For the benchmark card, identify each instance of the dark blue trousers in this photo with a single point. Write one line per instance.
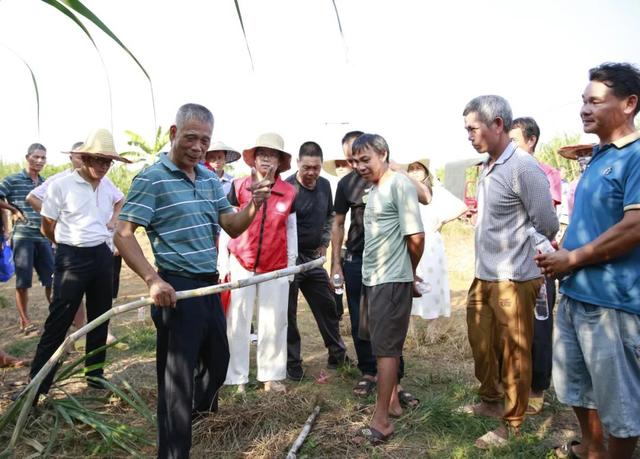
(192, 355)
(78, 271)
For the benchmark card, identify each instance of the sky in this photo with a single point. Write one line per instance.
(405, 69)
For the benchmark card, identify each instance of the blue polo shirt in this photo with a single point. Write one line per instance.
(15, 188)
(180, 216)
(608, 187)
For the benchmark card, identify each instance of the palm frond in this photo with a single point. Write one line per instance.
(80, 8)
(244, 33)
(35, 85)
(344, 42)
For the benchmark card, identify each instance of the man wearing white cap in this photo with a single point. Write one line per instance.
(216, 158)
(269, 243)
(75, 214)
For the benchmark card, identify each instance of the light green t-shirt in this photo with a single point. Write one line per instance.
(391, 213)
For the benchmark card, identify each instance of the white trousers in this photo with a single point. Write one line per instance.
(271, 299)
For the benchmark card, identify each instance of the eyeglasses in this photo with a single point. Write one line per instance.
(102, 162)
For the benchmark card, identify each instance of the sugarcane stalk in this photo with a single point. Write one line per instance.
(303, 433)
(29, 393)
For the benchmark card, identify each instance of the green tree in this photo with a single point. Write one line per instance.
(147, 152)
(548, 153)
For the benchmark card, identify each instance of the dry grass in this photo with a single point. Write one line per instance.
(439, 371)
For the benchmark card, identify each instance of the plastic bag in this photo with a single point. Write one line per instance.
(7, 268)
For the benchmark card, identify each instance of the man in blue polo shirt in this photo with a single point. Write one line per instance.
(182, 206)
(596, 363)
(30, 248)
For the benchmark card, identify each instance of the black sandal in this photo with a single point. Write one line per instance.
(364, 387)
(374, 436)
(407, 399)
(566, 450)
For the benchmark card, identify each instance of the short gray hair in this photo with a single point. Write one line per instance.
(489, 108)
(373, 141)
(34, 147)
(193, 111)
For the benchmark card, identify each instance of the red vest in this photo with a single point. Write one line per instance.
(267, 232)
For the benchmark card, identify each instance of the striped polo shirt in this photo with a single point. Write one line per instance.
(15, 188)
(513, 195)
(180, 216)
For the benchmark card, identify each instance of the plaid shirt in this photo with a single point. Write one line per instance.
(513, 195)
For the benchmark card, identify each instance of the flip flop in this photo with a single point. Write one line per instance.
(566, 450)
(374, 436)
(364, 387)
(535, 405)
(29, 328)
(407, 399)
(490, 440)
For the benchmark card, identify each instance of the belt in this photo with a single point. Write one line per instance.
(211, 278)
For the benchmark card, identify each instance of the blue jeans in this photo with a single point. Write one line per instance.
(596, 363)
(29, 254)
(352, 270)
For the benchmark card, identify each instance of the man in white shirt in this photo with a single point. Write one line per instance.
(75, 213)
(37, 195)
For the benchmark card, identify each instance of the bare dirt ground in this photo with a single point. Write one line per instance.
(439, 372)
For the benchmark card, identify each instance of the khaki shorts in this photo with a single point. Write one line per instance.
(385, 310)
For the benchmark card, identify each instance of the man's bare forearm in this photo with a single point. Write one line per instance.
(235, 223)
(337, 236)
(415, 246)
(125, 240)
(616, 241)
(34, 202)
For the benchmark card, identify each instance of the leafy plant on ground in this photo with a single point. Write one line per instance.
(88, 415)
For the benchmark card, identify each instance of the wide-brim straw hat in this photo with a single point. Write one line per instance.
(576, 151)
(424, 161)
(99, 144)
(230, 154)
(329, 163)
(268, 140)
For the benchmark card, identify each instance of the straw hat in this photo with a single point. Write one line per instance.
(230, 154)
(424, 161)
(268, 140)
(329, 164)
(575, 151)
(99, 144)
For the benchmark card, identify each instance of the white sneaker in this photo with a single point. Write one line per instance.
(253, 338)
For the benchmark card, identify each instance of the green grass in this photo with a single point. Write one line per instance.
(23, 347)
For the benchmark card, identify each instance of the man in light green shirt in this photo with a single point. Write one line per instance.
(394, 241)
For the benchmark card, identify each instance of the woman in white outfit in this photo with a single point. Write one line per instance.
(444, 207)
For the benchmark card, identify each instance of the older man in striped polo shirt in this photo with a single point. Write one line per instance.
(182, 206)
(513, 195)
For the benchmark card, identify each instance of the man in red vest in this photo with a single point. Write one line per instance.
(270, 243)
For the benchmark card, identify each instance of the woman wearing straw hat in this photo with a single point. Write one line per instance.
(269, 243)
(75, 213)
(436, 299)
(216, 158)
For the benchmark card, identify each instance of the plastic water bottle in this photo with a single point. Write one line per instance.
(423, 287)
(337, 284)
(541, 243)
(141, 314)
(541, 311)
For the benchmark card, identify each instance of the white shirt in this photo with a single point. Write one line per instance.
(81, 213)
(41, 190)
